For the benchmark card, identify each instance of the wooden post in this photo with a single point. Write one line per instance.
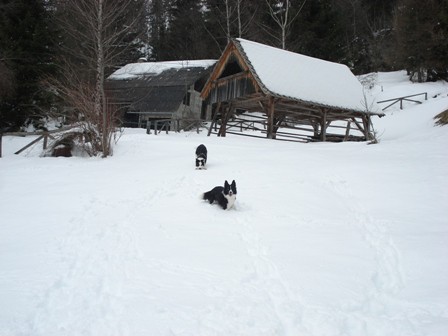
(270, 113)
(1, 135)
(358, 125)
(225, 119)
(366, 123)
(347, 131)
(214, 119)
(323, 133)
(45, 140)
(148, 127)
(156, 126)
(277, 122)
(222, 127)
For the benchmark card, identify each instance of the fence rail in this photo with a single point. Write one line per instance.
(401, 99)
(175, 125)
(43, 135)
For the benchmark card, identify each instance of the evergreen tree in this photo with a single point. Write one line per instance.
(319, 31)
(379, 19)
(27, 53)
(158, 24)
(187, 37)
(421, 35)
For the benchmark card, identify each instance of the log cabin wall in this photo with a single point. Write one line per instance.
(232, 87)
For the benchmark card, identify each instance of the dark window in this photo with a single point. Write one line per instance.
(232, 68)
(204, 110)
(186, 100)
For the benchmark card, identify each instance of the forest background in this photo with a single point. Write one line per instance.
(57, 52)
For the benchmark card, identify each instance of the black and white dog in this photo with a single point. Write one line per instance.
(224, 196)
(201, 157)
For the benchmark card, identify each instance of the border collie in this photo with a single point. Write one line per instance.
(224, 196)
(201, 157)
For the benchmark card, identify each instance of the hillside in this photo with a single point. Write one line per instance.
(325, 239)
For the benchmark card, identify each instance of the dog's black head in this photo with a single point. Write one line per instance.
(230, 189)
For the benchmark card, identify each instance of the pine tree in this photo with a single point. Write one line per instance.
(421, 37)
(158, 21)
(27, 53)
(187, 37)
(319, 31)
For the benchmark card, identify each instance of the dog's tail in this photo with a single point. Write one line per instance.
(206, 195)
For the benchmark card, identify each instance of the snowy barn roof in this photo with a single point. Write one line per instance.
(287, 87)
(283, 73)
(157, 87)
(301, 77)
(152, 69)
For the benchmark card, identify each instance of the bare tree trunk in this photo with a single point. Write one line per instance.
(102, 109)
(280, 13)
(228, 20)
(238, 8)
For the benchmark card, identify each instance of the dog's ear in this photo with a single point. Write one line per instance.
(226, 187)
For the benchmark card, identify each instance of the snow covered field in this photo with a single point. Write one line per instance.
(326, 239)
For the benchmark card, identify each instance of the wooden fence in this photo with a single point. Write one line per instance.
(175, 125)
(404, 98)
(44, 135)
(287, 130)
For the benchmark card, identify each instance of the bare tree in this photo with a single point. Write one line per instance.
(98, 33)
(280, 12)
(228, 16)
(238, 13)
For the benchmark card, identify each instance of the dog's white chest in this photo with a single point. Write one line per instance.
(230, 201)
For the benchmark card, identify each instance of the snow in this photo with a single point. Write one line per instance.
(325, 239)
(306, 78)
(133, 70)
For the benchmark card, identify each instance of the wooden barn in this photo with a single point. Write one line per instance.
(286, 95)
(160, 91)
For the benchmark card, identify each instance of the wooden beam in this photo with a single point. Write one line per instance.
(277, 122)
(29, 145)
(225, 119)
(297, 104)
(347, 131)
(214, 119)
(366, 122)
(270, 113)
(323, 133)
(361, 129)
